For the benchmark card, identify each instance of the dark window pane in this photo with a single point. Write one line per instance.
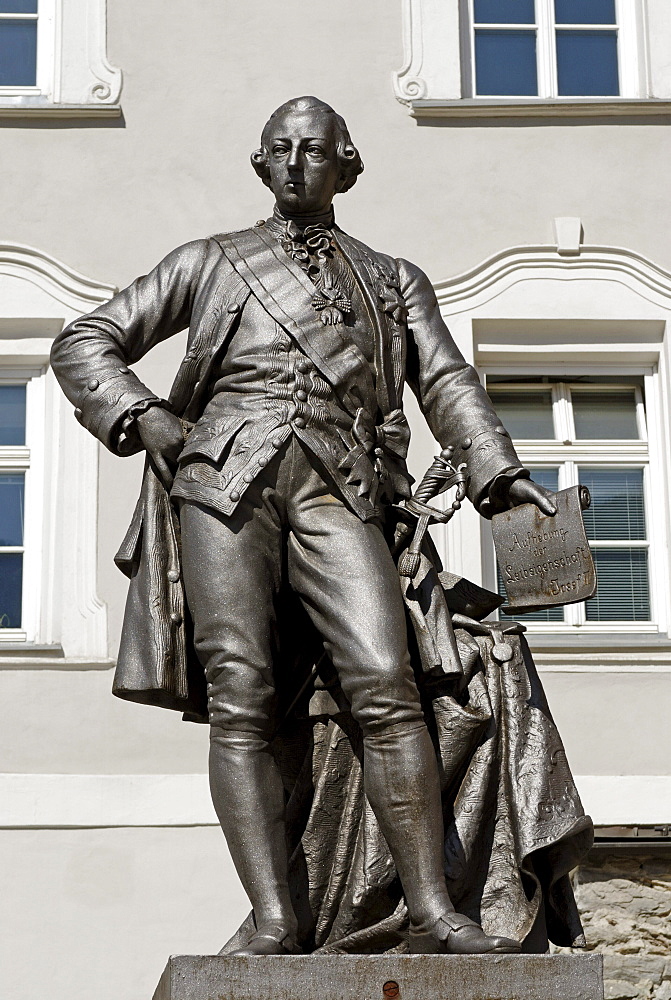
(505, 63)
(504, 12)
(617, 512)
(12, 414)
(587, 64)
(585, 12)
(549, 479)
(525, 414)
(18, 6)
(606, 415)
(18, 53)
(623, 591)
(11, 509)
(11, 580)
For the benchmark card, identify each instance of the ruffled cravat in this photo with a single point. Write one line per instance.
(312, 247)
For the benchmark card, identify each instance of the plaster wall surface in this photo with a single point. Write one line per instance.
(95, 913)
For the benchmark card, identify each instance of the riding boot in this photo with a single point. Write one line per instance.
(402, 783)
(248, 796)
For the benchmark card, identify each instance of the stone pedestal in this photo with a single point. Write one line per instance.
(383, 977)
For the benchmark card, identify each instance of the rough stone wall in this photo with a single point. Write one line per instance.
(625, 904)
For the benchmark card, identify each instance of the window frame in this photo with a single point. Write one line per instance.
(29, 460)
(568, 454)
(546, 54)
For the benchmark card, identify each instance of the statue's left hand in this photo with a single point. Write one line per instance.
(527, 491)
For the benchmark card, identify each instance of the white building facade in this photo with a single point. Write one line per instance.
(517, 151)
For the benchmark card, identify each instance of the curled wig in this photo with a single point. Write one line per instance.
(349, 160)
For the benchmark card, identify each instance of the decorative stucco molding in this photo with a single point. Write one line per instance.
(63, 283)
(469, 290)
(431, 67)
(408, 83)
(106, 80)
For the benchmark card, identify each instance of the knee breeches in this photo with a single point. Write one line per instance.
(289, 527)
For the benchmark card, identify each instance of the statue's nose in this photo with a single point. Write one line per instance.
(294, 162)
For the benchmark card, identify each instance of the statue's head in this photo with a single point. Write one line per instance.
(306, 156)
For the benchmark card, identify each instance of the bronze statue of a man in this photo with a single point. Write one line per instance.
(282, 446)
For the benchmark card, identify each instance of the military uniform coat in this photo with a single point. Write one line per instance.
(344, 402)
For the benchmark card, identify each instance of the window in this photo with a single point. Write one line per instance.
(49, 608)
(590, 431)
(14, 460)
(545, 48)
(533, 58)
(52, 57)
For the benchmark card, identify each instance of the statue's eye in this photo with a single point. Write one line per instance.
(280, 150)
(315, 150)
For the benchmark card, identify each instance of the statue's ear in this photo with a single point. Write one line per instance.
(351, 165)
(259, 159)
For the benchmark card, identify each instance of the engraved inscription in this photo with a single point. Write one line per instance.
(574, 567)
(545, 561)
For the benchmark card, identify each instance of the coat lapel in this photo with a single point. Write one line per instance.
(286, 293)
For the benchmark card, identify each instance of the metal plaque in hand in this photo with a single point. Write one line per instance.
(545, 561)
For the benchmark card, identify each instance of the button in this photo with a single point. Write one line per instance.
(277, 442)
(191, 356)
(300, 421)
(124, 370)
(173, 575)
(502, 431)
(502, 651)
(249, 477)
(304, 366)
(379, 452)
(93, 384)
(176, 618)
(302, 395)
(283, 347)
(235, 496)
(234, 307)
(261, 222)
(466, 443)
(78, 413)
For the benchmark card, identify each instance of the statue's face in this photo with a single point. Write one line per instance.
(303, 162)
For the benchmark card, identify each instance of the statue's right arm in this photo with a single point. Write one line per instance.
(90, 357)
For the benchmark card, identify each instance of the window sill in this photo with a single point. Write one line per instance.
(619, 652)
(473, 108)
(33, 656)
(46, 109)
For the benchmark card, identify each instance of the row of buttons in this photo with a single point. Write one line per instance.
(277, 443)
